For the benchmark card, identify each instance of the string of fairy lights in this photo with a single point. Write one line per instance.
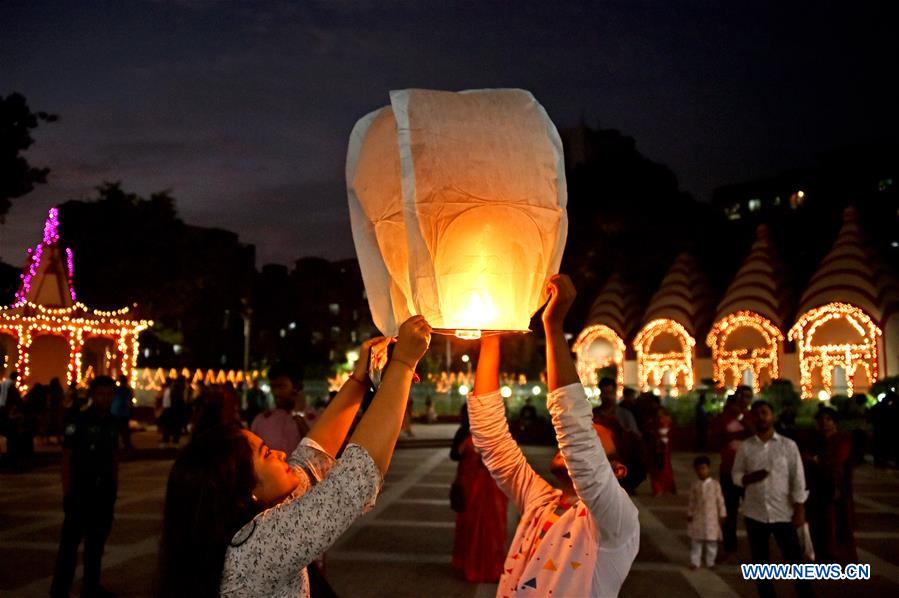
(588, 363)
(27, 322)
(729, 364)
(823, 359)
(652, 366)
(818, 360)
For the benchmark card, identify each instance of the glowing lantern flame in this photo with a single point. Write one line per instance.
(476, 314)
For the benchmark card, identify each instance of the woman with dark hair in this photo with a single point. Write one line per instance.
(243, 520)
(479, 546)
(830, 508)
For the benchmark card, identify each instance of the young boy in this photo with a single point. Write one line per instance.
(705, 514)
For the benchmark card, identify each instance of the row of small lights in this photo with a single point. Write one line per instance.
(504, 391)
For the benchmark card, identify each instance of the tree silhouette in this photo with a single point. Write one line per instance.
(627, 214)
(17, 176)
(188, 279)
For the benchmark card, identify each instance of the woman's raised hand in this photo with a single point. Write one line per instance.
(413, 340)
(373, 351)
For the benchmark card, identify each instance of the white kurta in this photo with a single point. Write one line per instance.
(706, 507)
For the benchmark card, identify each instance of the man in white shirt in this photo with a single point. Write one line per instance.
(769, 467)
(579, 540)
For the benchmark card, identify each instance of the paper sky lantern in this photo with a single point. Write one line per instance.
(457, 203)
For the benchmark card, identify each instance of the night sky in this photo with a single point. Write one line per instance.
(243, 110)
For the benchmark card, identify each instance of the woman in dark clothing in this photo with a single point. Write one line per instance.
(830, 508)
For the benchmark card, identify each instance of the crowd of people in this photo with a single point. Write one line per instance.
(259, 493)
(38, 416)
(796, 487)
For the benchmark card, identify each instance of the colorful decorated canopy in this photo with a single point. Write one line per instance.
(44, 332)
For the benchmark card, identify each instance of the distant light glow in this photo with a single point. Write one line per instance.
(505, 392)
(463, 390)
(823, 395)
(535, 391)
(466, 359)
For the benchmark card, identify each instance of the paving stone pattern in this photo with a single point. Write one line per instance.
(403, 547)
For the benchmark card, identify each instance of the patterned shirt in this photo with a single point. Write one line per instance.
(268, 556)
(770, 500)
(706, 508)
(583, 549)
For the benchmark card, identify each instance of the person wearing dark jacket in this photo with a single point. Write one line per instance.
(89, 485)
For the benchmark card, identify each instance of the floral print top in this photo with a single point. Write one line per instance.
(268, 556)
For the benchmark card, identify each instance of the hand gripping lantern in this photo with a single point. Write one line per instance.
(457, 204)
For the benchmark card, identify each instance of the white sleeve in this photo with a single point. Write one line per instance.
(501, 454)
(798, 492)
(589, 468)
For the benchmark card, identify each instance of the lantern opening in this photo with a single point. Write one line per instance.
(468, 334)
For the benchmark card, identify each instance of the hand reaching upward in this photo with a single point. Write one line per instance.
(560, 369)
(561, 297)
(413, 340)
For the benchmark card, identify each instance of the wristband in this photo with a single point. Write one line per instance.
(404, 362)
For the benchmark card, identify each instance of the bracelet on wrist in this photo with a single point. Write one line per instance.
(362, 383)
(404, 362)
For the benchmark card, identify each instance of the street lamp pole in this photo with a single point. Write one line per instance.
(247, 315)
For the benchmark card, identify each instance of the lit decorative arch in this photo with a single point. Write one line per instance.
(736, 361)
(74, 323)
(849, 356)
(652, 366)
(587, 366)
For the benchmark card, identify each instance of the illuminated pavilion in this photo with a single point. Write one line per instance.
(611, 322)
(746, 340)
(679, 311)
(47, 333)
(848, 307)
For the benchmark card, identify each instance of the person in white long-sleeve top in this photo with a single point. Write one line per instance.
(579, 539)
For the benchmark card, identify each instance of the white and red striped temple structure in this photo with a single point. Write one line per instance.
(840, 337)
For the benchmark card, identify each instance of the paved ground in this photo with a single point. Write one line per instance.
(402, 548)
